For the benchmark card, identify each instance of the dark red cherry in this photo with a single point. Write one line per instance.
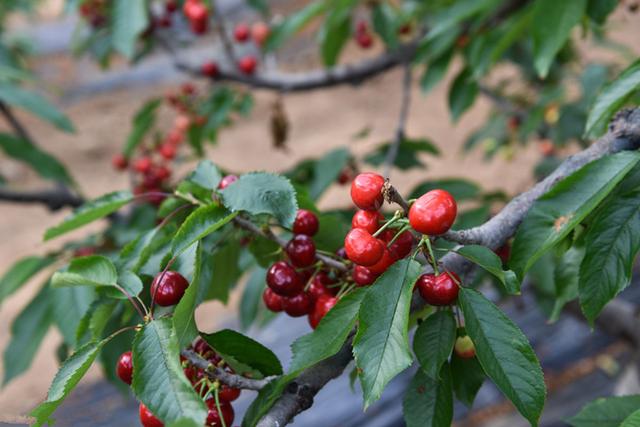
(168, 288)
(298, 305)
(284, 280)
(301, 251)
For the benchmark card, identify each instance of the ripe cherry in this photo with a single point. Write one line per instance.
(320, 309)
(119, 162)
(306, 222)
(272, 301)
(402, 246)
(439, 290)
(241, 32)
(342, 253)
(464, 347)
(175, 137)
(504, 252)
(298, 305)
(171, 6)
(405, 29)
(168, 288)
(226, 181)
(363, 276)
(213, 417)
(362, 248)
(143, 164)
(284, 280)
(228, 394)
(384, 263)
(202, 347)
(301, 251)
(247, 64)
(147, 419)
(433, 213)
(366, 191)
(84, 251)
(124, 368)
(318, 286)
(260, 31)
(364, 40)
(167, 151)
(162, 173)
(369, 220)
(210, 69)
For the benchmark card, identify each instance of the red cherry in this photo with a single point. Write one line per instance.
(369, 220)
(362, 27)
(384, 263)
(298, 305)
(438, 290)
(241, 32)
(364, 40)
(168, 288)
(405, 29)
(228, 394)
(147, 419)
(284, 280)
(199, 26)
(362, 248)
(119, 162)
(247, 64)
(226, 181)
(272, 300)
(164, 21)
(175, 137)
(143, 164)
(171, 6)
(345, 176)
(260, 31)
(433, 213)
(366, 191)
(363, 276)
(213, 417)
(402, 246)
(84, 251)
(318, 286)
(162, 173)
(320, 309)
(504, 252)
(124, 368)
(210, 69)
(190, 372)
(202, 347)
(306, 222)
(301, 251)
(167, 151)
(188, 88)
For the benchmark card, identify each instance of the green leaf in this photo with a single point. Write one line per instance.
(458, 12)
(199, 224)
(606, 412)
(381, 346)
(612, 243)
(566, 276)
(264, 251)
(461, 189)
(632, 420)
(252, 298)
(27, 331)
(292, 24)
(89, 212)
(130, 282)
(385, 23)
(334, 34)
(158, 380)
(69, 306)
(435, 72)
(599, 10)
(43, 163)
(330, 335)
(263, 193)
(434, 340)
(488, 260)
(557, 212)
(130, 19)
(21, 272)
(611, 98)
(36, 104)
(95, 320)
(93, 270)
(429, 402)
(142, 123)
(244, 350)
(467, 376)
(68, 376)
(504, 353)
(265, 400)
(326, 170)
(224, 264)
(407, 156)
(207, 175)
(552, 25)
(462, 93)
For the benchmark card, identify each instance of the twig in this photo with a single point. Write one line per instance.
(392, 152)
(224, 36)
(53, 199)
(20, 130)
(391, 195)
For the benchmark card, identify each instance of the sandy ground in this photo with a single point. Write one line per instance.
(320, 121)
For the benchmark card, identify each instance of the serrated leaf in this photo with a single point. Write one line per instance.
(199, 224)
(252, 298)
(21, 272)
(504, 353)
(35, 104)
(557, 212)
(407, 155)
(606, 412)
(292, 24)
(462, 93)
(225, 267)
(428, 402)
(330, 335)
(334, 34)
(489, 261)
(245, 350)
(566, 275)
(89, 212)
(552, 25)
(632, 420)
(381, 346)
(206, 175)
(95, 320)
(326, 170)
(611, 98)
(434, 340)
(467, 378)
(43, 163)
(263, 193)
(130, 19)
(69, 306)
(142, 122)
(158, 379)
(93, 270)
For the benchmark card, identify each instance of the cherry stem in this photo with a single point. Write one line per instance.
(345, 289)
(132, 301)
(215, 395)
(432, 258)
(402, 230)
(396, 216)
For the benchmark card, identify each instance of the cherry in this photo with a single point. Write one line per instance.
(405, 29)
(147, 418)
(171, 6)
(364, 40)
(84, 251)
(119, 162)
(247, 64)
(362, 248)
(260, 31)
(164, 21)
(182, 123)
(301, 250)
(168, 288)
(143, 164)
(228, 394)
(362, 27)
(188, 88)
(439, 290)
(504, 252)
(384, 263)
(363, 276)
(175, 137)
(547, 148)
(320, 309)
(369, 220)
(124, 368)
(366, 191)
(167, 151)
(190, 372)
(226, 181)
(241, 32)
(210, 69)
(433, 213)
(464, 347)
(318, 286)
(213, 417)
(306, 222)
(345, 176)
(272, 301)
(342, 253)
(284, 280)
(162, 173)
(202, 347)
(298, 305)
(402, 246)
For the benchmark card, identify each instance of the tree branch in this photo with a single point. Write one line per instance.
(222, 33)
(53, 199)
(20, 130)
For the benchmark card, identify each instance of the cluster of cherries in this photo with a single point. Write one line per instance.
(197, 13)
(95, 12)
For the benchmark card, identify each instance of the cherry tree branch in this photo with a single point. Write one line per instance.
(222, 33)
(53, 199)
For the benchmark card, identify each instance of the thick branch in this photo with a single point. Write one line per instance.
(53, 199)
